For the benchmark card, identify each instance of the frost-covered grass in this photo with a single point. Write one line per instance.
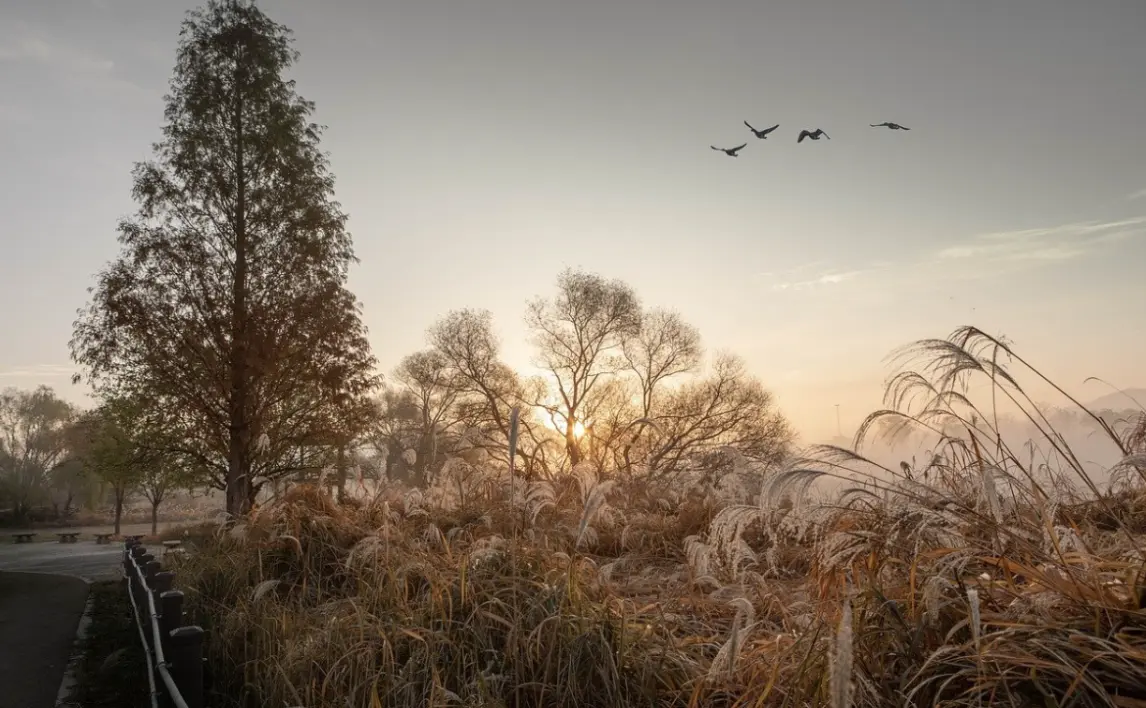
(985, 576)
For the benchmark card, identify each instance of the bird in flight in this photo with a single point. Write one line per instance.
(731, 152)
(812, 135)
(891, 126)
(762, 134)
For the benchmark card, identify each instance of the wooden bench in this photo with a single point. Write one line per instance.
(103, 538)
(24, 537)
(68, 536)
(174, 543)
(135, 538)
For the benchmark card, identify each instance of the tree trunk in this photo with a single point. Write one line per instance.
(238, 482)
(340, 465)
(154, 517)
(118, 509)
(572, 447)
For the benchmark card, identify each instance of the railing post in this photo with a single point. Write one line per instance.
(170, 619)
(186, 664)
(160, 583)
(149, 571)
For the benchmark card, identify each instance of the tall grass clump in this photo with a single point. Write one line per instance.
(987, 575)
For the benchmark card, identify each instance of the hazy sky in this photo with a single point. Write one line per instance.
(482, 146)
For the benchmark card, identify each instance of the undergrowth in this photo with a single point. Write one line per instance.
(112, 672)
(985, 576)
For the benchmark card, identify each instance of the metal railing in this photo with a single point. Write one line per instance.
(174, 651)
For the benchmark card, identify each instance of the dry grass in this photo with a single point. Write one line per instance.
(986, 577)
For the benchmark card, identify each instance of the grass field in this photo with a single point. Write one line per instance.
(984, 576)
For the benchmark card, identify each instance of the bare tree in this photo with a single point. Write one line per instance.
(435, 386)
(34, 435)
(488, 389)
(577, 334)
(396, 430)
(155, 482)
(728, 408)
(612, 413)
(665, 346)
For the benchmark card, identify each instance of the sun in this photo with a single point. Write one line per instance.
(578, 429)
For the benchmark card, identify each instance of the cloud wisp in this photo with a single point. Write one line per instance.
(1056, 243)
(978, 257)
(38, 371)
(27, 46)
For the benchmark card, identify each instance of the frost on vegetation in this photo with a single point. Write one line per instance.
(742, 625)
(538, 496)
(595, 503)
(458, 483)
(934, 591)
(486, 550)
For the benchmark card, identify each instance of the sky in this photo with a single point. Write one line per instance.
(481, 147)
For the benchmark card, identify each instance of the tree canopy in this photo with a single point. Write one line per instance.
(228, 301)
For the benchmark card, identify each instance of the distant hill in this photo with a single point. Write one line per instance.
(1118, 401)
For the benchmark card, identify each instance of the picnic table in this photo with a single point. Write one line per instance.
(103, 538)
(68, 536)
(24, 537)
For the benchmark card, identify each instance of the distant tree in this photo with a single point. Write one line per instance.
(351, 428)
(155, 484)
(488, 388)
(663, 347)
(726, 408)
(578, 334)
(117, 449)
(72, 486)
(228, 301)
(434, 386)
(395, 432)
(34, 437)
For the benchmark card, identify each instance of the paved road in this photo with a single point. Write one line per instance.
(38, 619)
(83, 558)
(49, 533)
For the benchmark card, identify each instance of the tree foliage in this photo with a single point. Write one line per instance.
(228, 300)
(34, 443)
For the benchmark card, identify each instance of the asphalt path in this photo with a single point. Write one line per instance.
(84, 558)
(43, 590)
(38, 619)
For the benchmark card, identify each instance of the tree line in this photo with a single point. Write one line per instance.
(225, 332)
(623, 390)
(53, 454)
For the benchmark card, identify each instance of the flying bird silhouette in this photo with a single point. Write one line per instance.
(812, 135)
(731, 152)
(890, 126)
(762, 134)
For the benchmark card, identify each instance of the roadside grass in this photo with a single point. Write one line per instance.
(113, 668)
